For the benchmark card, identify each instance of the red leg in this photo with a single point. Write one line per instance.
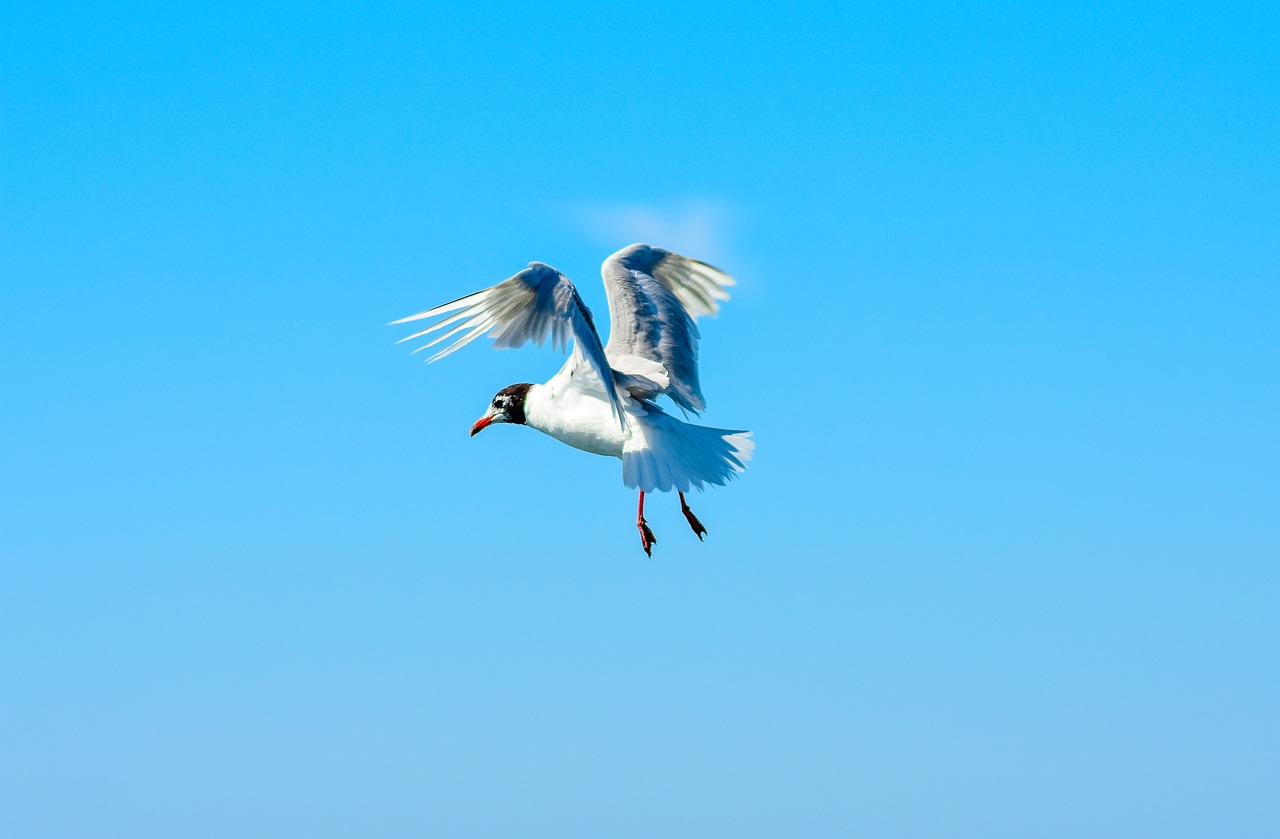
(647, 539)
(693, 520)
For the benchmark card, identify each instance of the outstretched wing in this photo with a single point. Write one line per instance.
(654, 297)
(534, 304)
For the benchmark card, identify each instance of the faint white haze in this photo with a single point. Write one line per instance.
(695, 227)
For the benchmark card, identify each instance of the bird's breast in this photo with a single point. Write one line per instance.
(578, 419)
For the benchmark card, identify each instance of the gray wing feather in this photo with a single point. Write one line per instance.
(535, 304)
(654, 298)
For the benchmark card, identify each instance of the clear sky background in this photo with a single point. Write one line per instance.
(1007, 563)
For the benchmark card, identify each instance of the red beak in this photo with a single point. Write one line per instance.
(481, 425)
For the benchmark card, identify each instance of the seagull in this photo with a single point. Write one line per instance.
(604, 399)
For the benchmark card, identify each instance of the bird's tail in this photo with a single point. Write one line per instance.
(665, 453)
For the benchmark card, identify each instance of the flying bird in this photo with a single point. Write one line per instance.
(604, 399)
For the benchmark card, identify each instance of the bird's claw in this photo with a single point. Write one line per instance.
(647, 539)
(698, 529)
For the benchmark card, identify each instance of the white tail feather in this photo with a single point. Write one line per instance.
(665, 453)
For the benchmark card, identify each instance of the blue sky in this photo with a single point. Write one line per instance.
(1006, 563)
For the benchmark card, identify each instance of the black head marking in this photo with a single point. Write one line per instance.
(510, 401)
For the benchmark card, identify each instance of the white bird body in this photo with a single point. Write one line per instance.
(603, 400)
(575, 413)
(658, 451)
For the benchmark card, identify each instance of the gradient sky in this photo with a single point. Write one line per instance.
(1007, 563)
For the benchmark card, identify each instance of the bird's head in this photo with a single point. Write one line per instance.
(507, 406)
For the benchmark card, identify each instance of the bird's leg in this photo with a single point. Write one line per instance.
(647, 539)
(693, 520)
